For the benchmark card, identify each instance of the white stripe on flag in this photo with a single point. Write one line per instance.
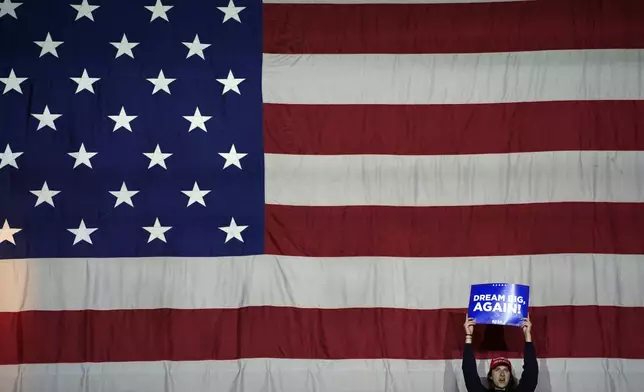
(453, 78)
(299, 375)
(455, 180)
(232, 282)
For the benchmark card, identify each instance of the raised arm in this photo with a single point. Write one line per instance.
(530, 375)
(470, 372)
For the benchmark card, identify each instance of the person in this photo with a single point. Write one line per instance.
(500, 377)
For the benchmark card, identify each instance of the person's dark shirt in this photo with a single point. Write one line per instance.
(527, 383)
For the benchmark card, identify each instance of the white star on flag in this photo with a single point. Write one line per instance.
(82, 157)
(7, 232)
(46, 119)
(123, 196)
(48, 46)
(157, 231)
(161, 83)
(196, 47)
(85, 82)
(159, 10)
(45, 195)
(8, 157)
(231, 83)
(196, 195)
(124, 47)
(233, 231)
(231, 12)
(83, 233)
(12, 82)
(122, 120)
(157, 157)
(197, 120)
(9, 8)
(85, 10)
(232, 157)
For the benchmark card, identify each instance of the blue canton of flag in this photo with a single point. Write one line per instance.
(130, 128)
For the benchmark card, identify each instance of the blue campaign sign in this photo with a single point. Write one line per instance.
(499, 303)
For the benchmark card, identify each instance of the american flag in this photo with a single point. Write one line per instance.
(296, 195)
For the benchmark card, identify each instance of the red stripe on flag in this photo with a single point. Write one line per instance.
(485, 230)
(274, 332)
(453, 28)
(453, 129)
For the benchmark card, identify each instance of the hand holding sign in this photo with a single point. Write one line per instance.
(469, 325)
(469, 329)
(526, 326)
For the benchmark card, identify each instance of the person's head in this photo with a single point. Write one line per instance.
(500, 375)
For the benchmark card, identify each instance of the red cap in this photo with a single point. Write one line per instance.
(500, 361)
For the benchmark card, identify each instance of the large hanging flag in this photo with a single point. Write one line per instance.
(296, 196)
